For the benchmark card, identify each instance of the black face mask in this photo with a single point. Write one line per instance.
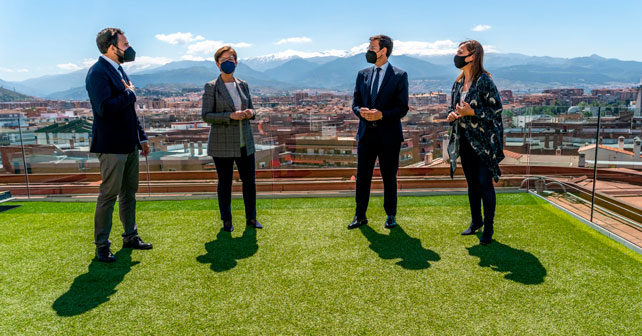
(371, 56)
(460, 61)
(129, 55)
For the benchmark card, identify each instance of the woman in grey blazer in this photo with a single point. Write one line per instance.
(227, 107)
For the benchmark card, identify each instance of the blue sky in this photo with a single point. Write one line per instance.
(52, 37)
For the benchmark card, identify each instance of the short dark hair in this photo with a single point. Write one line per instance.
(384, 42)
(223, 49)
(107, 37)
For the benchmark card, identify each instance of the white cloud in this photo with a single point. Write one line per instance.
(301, 39)
(141, 63)
(421, 48)
(241, 45)
(417, 48)
(179, 38)
(209, 47)
(13, 70)
(490, 49)
(360, 49)
(204, 47)
(481, 28)
(69, 67)
(146, 62)
(88, 62)
(287, 54)
(193, 58)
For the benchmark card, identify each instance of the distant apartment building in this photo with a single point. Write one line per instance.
(334, 151)
(612, 157)
(69, 135)
(565, 95)
(614, 95)
(12, 118)
(506, 96)
(431, 98)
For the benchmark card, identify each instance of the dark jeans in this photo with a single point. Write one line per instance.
(480, 184)
(225, 170)
(369, 148)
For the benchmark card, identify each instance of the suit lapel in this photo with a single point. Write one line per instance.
(367, 91)
(222, 91)
(114, 73)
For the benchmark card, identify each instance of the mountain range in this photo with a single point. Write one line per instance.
(426, 73)
(7, 95)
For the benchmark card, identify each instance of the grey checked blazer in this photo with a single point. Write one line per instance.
(224, 139)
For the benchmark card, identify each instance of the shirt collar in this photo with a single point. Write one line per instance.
(114, 64)
(383, 66)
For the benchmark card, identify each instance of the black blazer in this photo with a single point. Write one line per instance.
(392, 101)
(116, 127)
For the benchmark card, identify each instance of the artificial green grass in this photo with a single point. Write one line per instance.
(306, 274)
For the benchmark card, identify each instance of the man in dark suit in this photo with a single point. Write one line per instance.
(380, 101)
(117, 135)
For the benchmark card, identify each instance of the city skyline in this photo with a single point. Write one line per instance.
(173, 32)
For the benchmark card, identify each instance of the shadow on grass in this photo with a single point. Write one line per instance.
(4, 208)
(93, 288)
(521, 266)
(398, 245)
(224, 251)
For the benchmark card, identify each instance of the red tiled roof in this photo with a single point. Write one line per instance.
(581, 149)
(512, 154)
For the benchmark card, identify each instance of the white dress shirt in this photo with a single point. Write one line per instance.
(233, 89)
(382, 73)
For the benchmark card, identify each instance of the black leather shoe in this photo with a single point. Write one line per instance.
(471, 229)
(356, 222)
(136, 243)
(227, 226)
(104, 255)
(254, 223)
(390, 222)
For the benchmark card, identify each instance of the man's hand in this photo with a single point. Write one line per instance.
(370, 114)
(146, 149)
(130, 86)
(248, 114)
(452, 116)
(237, 115)
(376, 115)
(465, 110)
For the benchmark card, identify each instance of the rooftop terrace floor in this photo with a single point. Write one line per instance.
(305, 273)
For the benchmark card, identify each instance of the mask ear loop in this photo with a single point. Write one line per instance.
(114, 40)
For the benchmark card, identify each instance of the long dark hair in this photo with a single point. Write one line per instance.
(475, 48)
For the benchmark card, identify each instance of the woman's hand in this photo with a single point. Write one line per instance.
(452, 116)
(465, 110)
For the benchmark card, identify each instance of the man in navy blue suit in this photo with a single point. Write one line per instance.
(380, 101)
(117, 135)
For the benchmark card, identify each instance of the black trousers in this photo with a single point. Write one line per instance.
(480, 184)
(225, 170)
(369, 148)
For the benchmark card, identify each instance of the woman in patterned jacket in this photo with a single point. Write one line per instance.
(476, 135)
